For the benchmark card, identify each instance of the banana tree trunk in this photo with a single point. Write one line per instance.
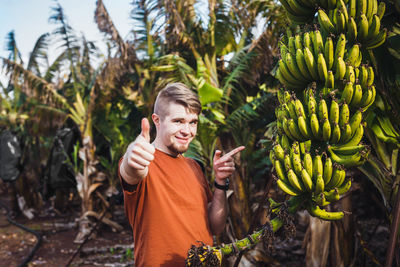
(318, 244)
(238, 202)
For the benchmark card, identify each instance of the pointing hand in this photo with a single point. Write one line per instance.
(224, 165)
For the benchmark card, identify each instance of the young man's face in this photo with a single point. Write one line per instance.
(176, 129)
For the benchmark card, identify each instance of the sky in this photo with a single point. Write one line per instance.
(29, 19)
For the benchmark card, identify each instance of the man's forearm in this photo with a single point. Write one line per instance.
(218, 212)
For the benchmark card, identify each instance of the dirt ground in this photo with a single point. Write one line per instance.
(111, 248)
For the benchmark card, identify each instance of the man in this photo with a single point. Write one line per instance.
(167, 199)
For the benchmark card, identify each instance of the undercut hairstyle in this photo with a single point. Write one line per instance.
(177, 93)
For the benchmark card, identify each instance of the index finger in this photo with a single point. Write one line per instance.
(232, 152)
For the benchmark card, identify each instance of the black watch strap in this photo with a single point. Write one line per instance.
(222, 187)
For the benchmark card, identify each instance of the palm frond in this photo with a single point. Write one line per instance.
(55, 66)
(105, 25)
(65, 32)
(14, 53)
(36, 86)
(259, 109)
(39, 51)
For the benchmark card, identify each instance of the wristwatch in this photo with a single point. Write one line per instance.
(222, 187)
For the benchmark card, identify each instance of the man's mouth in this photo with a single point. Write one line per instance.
(182, 140)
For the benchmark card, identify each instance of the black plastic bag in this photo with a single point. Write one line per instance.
(10, 155)
(59, 168)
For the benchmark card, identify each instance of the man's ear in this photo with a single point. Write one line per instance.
(156, 119)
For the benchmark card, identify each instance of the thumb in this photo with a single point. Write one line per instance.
(217, 155)
(145, 129)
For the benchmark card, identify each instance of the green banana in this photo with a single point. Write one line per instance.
(296, 163)
(352, 8)
(334, 111)
(373, 29)
(311, 64)
(361, 8)
(333, 195)
(322, 214)
(340, 68)
(348, 150)
(295, 182)
(298, 42)
(323, 110)
(311, 105)
(292, 109)
(340, 47)
(301, 63)
(357, 95)
(294, 130)
(381, 9)
(325, 23)
(322, 68)
(293, 68)
(355, 139)
(285, 143)
(329, 52)
(363, 76)
(336, 134)
(318, 168)
(338, 175)
(345, 134)
(378, 40)
(362, 27)
(381, 135)
(350, 75)
(387, 126)
(346, 160)
(308, 163)
(330, 80)
(347, 93)
(353, 55)
(340, 21)
(287, 162)
(328, 170)
(286, 75)
(345, 187)
(307, 41)
(285, 126)
(344, 114)
(352, 30)
(326, 130)
(366, 98)
(318, 43)
(319, 184)
(287, 188)
(303, 127)
(279, 152)
(371, 76)
(279, 169)
(299, 108)
(355, 121)
(314, 125)
(307, 181)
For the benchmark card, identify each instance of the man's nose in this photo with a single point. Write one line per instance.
(185, 128)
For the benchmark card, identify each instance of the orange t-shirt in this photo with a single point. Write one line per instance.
(168, 211)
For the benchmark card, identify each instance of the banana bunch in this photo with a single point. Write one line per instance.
(309, 57)
(360, 20)
(384, 138)
(322, 119)
(299, 11)
(384, 130)
(317, 177)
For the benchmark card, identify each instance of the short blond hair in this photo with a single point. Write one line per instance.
(177, 93)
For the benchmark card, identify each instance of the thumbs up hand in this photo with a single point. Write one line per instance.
(138, 156)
